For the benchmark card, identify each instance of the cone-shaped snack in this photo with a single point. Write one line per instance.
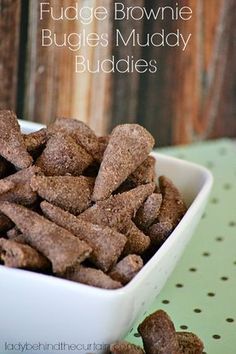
(148, 212)
(80, 132)
(159, 232)
(118, 209)
(106, 243)
(137, 241)
(125, 348)
(21, 193)
(173, 207)
(62, 248)
(35, 141)
(126, 269)
(158, 334)
(16, 255)
(128, 147)
(63, 156)
(6, 186)
(189, 343)
(5, 223)
(12, 146)
(91, 276)
(68, 192)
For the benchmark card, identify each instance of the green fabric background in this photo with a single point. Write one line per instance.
(200, 295)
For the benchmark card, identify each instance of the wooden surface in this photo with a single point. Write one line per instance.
(53, 88)
(9, 49)
(192, 96)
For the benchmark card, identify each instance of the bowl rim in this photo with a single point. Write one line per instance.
(134, 283)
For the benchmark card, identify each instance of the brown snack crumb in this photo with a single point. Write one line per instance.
(148, 212)
(128, 147)
(16, 255)
(80, 132)
(106, 243)
(91, 276)
(117, 210)
(68, 192)
(61, 247)
(63, 156)
(159, 232)
(158, 334)
(35, 141)
(125, 348)
(189, 343)
(12, 146)
(173, 207)
(126, 269)
(21, 192)
(137, 241)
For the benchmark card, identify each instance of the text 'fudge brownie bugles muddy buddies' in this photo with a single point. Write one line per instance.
(85, 208)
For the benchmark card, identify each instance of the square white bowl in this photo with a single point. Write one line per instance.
(41, 309)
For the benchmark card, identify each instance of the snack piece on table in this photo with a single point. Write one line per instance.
(62, 156)
(126, 269)
(148, 212)
(125, 348)
(12, 146)
(190, 343)
(61, 247)
(21, 193)
(68, 192)
(137, 241)
(80, 132)
(106, 243)
(158, 334)
(35, 141)
(17, 255)
(91, 276)
(129, 145)
(117, 210)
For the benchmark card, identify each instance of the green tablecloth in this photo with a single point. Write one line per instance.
(200, 295)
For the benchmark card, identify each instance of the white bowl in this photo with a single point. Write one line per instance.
(41, 310)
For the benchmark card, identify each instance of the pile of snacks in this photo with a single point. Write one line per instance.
(82, 207)
(160, 337)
